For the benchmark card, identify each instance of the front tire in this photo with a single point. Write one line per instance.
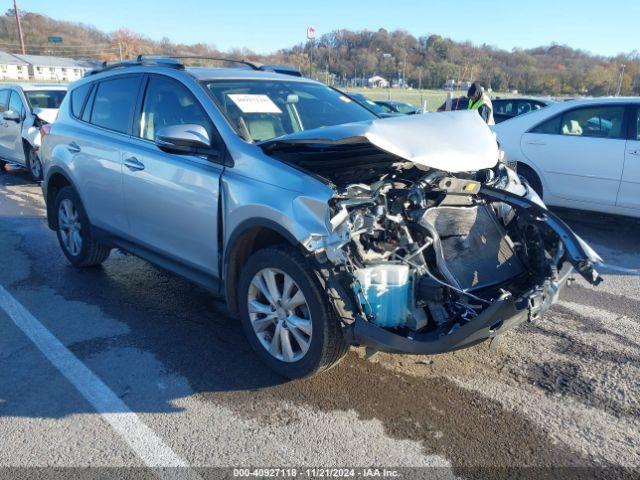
(74, 231)
(286, 316)
(34, 164)
(531, 178)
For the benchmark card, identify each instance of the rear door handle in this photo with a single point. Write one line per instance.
(73, 147)
(634, 152)
(536, 142)
(133, 163)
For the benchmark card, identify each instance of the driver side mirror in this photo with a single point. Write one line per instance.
(185, 138)
(12, 116)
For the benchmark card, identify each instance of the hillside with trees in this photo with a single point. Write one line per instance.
(344, 56)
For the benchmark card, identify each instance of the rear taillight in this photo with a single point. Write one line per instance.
(45, 130)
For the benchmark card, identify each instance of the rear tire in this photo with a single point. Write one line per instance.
(74, 231)
(530, 177)
(311, 339)
(33, 164)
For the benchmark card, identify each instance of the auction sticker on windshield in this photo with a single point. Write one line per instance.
(254, 103)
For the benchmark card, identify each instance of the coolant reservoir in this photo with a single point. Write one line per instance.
(386, 293)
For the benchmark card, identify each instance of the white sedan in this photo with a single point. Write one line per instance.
(24, 108)
(582, 154)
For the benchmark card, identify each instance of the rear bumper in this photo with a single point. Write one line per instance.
(502, 315)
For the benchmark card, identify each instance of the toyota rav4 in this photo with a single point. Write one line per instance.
(323, 225)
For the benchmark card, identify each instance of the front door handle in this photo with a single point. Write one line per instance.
(73, 147)
(133, 163)
(536, 142)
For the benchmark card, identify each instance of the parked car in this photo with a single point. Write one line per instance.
(371, 105)
(458, 103)
(323, 225)
(393, 106)
(582, 154)
(25, 109)
(506, 108)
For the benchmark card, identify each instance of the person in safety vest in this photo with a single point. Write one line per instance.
(478, 100)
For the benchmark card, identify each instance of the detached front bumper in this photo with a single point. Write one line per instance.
(502, 315)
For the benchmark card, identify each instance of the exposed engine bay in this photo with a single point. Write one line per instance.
(424, 254)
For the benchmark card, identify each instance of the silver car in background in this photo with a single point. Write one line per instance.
(322, 225)
(25, 108)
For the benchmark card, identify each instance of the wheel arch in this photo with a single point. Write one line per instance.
(248, 237)
(56, 180)
(527, 166)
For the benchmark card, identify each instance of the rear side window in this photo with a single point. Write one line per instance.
(78, 97)
(114, 103)
(4, 100)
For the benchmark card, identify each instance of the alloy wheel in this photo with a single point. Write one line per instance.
(70, 227)
(279, 315)
(35, 165)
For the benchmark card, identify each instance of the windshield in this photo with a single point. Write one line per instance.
(45, 98)
(260, 110)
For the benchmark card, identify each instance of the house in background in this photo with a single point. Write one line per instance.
(12, 68)
(43, 68)
(378, 82)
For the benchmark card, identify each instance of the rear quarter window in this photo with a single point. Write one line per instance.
(78, 97)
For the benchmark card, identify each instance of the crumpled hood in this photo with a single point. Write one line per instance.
(47, 114)
(457, 141)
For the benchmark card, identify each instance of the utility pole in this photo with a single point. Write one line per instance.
(622, 67)
(15, 10)
(120, 49)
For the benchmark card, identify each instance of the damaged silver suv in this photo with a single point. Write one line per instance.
(323, 225)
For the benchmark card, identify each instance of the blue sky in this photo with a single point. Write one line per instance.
(602, 27)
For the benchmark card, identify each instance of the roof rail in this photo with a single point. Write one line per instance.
(174, 62)
(253, 65)
(140, 61)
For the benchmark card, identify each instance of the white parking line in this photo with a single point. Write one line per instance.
(142, 440)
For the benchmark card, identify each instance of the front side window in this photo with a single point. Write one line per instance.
(114, 103)
(601, 122)
(550, 127)
(168, 103)
(45, 98)
(638, 124)
(15, 103)
(264, 109)
(503, 108)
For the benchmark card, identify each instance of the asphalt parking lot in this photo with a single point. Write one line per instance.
(174, 383)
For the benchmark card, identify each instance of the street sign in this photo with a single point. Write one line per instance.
(54, 39)
(311, 32)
